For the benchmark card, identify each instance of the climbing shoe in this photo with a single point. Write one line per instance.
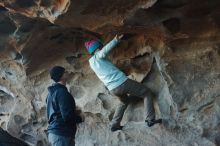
(153, 121)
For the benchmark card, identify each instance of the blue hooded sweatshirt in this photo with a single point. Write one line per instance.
(61, 111)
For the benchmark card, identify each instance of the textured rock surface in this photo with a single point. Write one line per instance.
(182, 36)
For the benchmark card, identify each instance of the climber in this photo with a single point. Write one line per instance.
(61, 110)
(118, 83)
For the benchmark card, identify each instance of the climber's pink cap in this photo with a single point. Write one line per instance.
(92, 45)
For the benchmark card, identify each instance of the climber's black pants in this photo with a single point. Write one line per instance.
(129, 90)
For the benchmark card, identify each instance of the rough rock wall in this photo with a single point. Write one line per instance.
(182, 36)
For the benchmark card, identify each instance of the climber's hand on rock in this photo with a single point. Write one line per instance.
(119, 37)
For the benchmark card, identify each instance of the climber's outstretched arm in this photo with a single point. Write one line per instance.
(108, 47)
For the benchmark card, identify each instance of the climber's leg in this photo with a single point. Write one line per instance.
(136, 89)
(118, 115)
(150, 118)
(147, 94)
(121, 107)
